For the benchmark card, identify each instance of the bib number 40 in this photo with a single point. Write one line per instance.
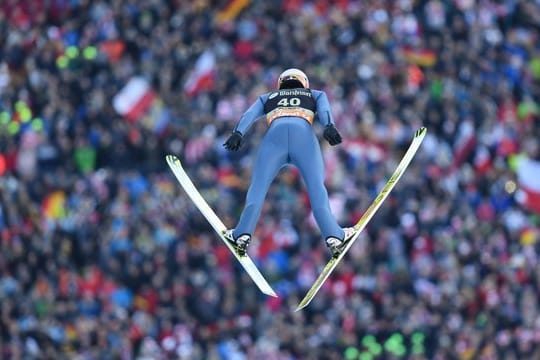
(289, 102)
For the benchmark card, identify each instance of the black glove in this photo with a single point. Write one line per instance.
(234, 142)
(332, 135)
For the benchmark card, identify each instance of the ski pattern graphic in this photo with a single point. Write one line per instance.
(366, 217)
(216, 223)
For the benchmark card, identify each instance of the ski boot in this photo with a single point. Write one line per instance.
(336, 245)
(240, 244)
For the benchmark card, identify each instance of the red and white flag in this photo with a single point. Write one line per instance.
(134, 99)
(528, 174)
(465, 143)
(482, 159)
(202, 76)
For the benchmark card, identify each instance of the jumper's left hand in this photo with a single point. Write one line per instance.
(332, 135)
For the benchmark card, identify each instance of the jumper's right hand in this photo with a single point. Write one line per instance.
(234, 142)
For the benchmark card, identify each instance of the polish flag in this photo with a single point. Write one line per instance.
(134, 99)
(482, 160)
(465, 144)
(202, 76)
(528, 174)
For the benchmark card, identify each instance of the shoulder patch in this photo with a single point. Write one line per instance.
(273, 95)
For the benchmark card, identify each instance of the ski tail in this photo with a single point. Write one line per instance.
(366, 217)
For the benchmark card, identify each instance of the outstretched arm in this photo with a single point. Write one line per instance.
(255, 111)
(324, 113)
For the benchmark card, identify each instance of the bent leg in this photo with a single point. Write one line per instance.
(271, 157)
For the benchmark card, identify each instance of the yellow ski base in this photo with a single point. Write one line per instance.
(361, 224)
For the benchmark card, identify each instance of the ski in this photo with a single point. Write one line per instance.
(366, 217)
(216, 223)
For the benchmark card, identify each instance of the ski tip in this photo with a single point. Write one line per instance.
(171, 159)
(300, 307)
(420, 132)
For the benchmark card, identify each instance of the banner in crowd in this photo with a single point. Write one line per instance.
(134, 99)
(202, 76)
(137, 102)
(421, 57)
(528, 173)
(54, 205)
(231, 10)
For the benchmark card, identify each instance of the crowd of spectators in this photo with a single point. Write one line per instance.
(102, 255)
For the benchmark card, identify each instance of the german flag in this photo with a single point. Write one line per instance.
(231, 11)
(420, 57)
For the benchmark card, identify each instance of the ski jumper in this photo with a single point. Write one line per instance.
(289, 139)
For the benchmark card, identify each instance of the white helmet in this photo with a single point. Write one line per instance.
(293, 74)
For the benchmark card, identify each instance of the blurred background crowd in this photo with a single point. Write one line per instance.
(103, 256)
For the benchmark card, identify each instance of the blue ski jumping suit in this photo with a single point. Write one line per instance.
(290, 139)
